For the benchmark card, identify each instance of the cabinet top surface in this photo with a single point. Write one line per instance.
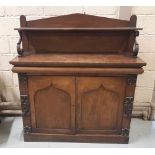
(78, 29)
(84, 60)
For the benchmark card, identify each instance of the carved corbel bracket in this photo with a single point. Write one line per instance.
(128, 102)
(136, 45)
(136, 33)
(135, 49)
(19, 49)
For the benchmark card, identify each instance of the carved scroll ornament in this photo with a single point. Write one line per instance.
(19, 49)
(136, 45)
(135, 49)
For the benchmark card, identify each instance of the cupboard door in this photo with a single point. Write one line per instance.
(52, 101)
(100, 104)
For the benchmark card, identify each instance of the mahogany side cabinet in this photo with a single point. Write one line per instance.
(77, 77)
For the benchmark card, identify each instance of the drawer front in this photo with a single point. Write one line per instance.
(52, 103)
(100, 104)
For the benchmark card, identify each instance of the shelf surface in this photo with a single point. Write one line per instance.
(78, 60)
(78, 29)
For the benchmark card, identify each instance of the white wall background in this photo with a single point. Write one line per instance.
(146, 40)
(9, 19)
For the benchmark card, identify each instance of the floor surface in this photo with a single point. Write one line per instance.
(142, 134)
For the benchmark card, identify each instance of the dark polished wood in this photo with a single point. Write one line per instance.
(95, 96)
(78, 71)
(83, 31)
(77, 77)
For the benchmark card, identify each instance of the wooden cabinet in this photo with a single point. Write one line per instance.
(77, 77)
(76, 104)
